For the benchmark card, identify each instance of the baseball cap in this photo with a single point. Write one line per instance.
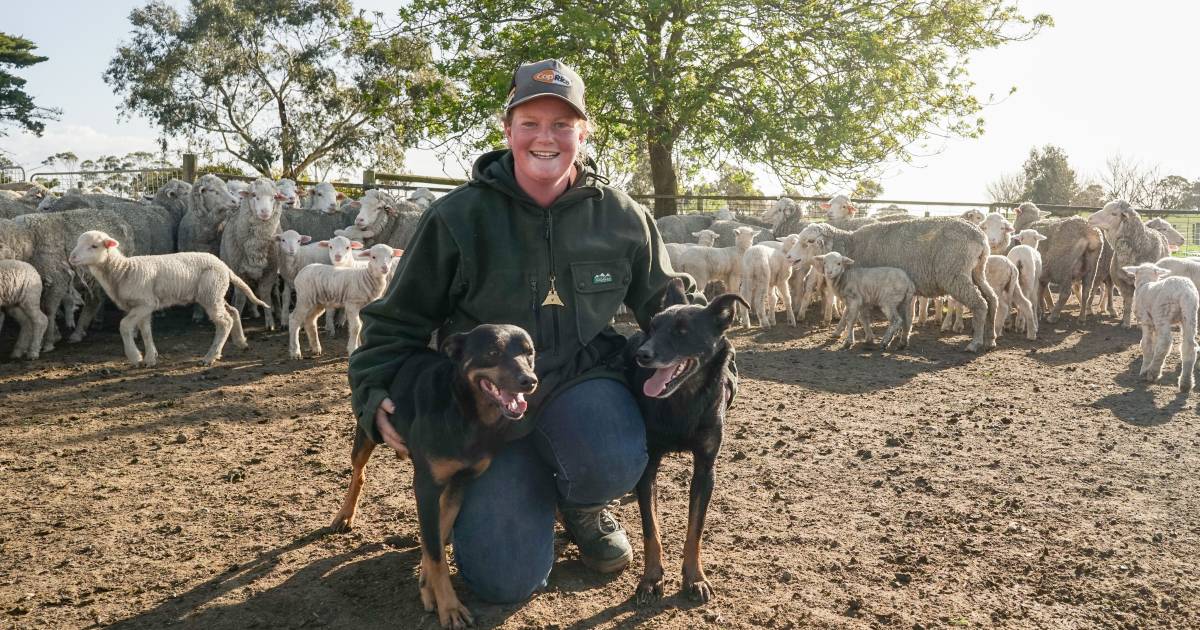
(549, 77)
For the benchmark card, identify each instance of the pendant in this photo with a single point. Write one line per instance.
(552, 298)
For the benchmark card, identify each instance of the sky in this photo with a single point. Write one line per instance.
(1109, 77)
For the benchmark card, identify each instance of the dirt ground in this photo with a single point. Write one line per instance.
(1038, 485)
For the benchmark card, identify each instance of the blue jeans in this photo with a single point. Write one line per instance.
(589, 447)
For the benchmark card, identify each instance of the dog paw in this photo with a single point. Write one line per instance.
(649, 590)
(343, 523)
(699, 591)
(455, 616)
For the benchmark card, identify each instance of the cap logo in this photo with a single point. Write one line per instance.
(550, 76)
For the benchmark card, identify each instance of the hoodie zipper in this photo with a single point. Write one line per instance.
(547, 223)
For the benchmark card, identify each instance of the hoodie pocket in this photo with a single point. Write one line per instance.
(599, 289)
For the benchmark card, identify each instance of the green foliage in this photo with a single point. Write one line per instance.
(731, 181)
(1049, 178)
(1091, 195)
(809, 89)
(278, 85)
(16, 106)
(1008, 188)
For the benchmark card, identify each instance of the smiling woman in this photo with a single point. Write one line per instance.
(538, 240)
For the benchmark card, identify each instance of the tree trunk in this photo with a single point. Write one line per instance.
(662, 173)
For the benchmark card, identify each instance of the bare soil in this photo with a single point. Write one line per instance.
(1037, 485)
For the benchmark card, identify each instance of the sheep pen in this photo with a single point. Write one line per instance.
(932, 487)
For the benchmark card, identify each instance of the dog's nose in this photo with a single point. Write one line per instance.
(644, 355)
(527, 381)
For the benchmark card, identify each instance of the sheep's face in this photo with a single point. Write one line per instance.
(1175, 240)
(744, 237)
(379, 258)
(998, 230)
(422, 198)
(371, 205)
(92, 247)
(324, 198)
(1030, 237)
(45, 203)
(839, 207)
(1110, 216)
(832, 264)
(290, 192)
(1146, 272)
(707, 238)
(214, 196)
(175, 190)
(974, 216)
(262, 199)
(809, 243)
(290, 242)
(341, 250)
(1028, 211)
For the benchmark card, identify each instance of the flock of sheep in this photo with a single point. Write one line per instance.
(189, 243)
(903, 266)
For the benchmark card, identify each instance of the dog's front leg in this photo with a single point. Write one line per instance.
(695, 584)
(361, 453)
(437, 507)
(651, 586)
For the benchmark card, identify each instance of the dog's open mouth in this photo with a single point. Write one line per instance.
(665, 379)
(512, 406)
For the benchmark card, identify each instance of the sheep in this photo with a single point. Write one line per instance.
(1029, 268)
(1133, 243)
(45, 241)
(156, 225)
(236, 186)
(892, 212)
(704, 238)
(75, 199)
(766, 277)
(1160, 302)
(1028, 214)
(21, 297)
(727, 232)
(210, 203)
(1070, 254)
(998, 231)
(841, 214)
(296, 252)
(322, 216)
(247, 243)
(1005, 279)
(422, 198)
(1182, 267)
(174, 196)
(18, 202)
(861, 288)
(290, 191)
(974, 216)
(710, 264)
(383, 219)
(319, 287)
(1175, 240)
(140, 285)
(941, 256)
(678, 228)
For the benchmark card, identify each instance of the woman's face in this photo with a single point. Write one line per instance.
(545, 135)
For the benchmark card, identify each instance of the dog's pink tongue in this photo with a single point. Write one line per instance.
(514, 403)
(657, 383)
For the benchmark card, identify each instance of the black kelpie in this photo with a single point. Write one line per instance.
(683, 375)
(453, 424)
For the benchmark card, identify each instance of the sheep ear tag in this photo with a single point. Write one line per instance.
(552, 298)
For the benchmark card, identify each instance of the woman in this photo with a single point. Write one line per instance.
(538, 240)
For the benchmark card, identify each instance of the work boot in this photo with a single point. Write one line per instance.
(603, 545)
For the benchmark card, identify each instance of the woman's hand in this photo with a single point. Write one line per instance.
(384, 424)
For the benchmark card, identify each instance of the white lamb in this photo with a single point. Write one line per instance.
(141, 285)
(766, 278)
(861, 288)
(710, 264)
(319, 287)
(296, 251)
(1160, 302)
(21, 296)
(1029, 268)
(998, 231)
(1175, 240)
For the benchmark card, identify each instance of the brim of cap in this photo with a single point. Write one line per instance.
(551, 95)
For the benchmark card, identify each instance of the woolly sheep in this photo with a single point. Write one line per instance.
(1070, 254)
(973, 216)
(727, 232)
(1005, 279)
(678, 228)
(704, 238)
(1175, 240)
(1029, 269)
(1133, 243)
(322, 215)
(1027, 214)
(21, 296)
(861, 288)
(941, 255)
(174, 196)
(383, 219)
(998, 231)
(842, 213)
(248, 241)
(319, 287)
(1161, 302)
(766, 277)
(296, 251)
(140, 285)
(290, 191)
(1182, 267)
(710, 264)
(422, 198)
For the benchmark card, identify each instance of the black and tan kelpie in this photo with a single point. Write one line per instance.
(683, 375)
(453, 424)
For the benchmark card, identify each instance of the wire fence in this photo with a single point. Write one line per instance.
(11, 174)
(128, 183)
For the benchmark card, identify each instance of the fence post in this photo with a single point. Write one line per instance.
(368, 179)
(189, 168)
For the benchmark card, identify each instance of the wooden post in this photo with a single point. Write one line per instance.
(368, 179)
(189, 168)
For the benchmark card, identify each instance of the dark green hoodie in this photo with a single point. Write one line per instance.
(487, 253)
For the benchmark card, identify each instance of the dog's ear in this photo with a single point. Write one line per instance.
(674, 293)
(724, 308)
(452, 346)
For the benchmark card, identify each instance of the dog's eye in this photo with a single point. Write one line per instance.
(494, 354)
